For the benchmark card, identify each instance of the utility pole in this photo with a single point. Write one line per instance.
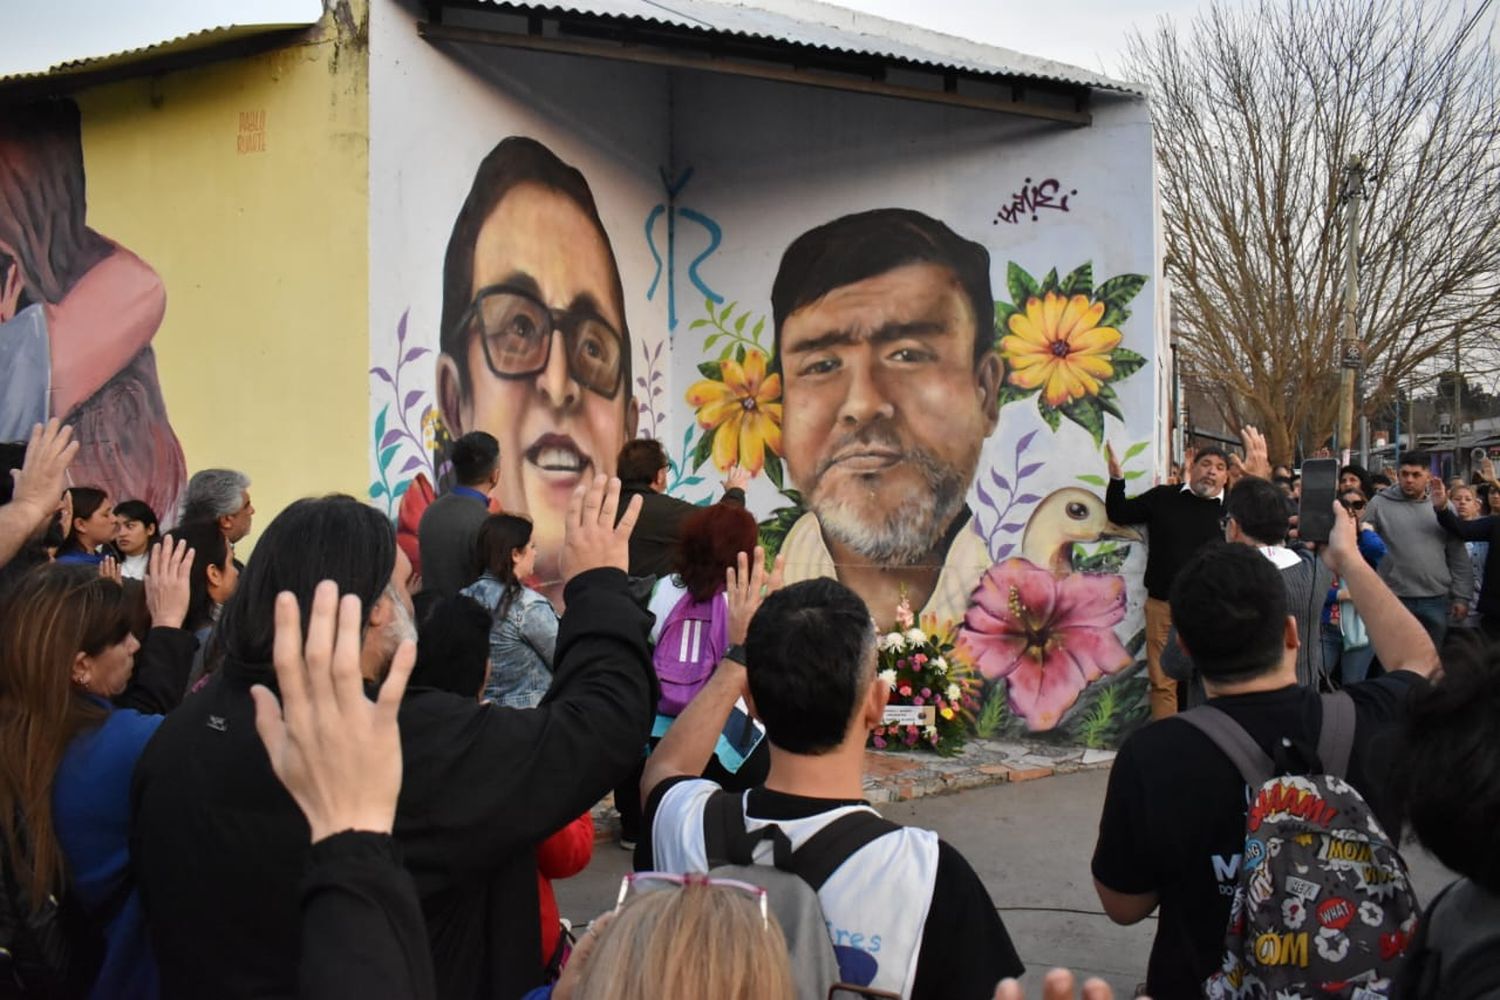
(1350, 355)
(1458, 415)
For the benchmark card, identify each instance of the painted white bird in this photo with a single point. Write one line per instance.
(1064, 518)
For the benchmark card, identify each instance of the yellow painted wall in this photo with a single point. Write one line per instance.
(244, 184)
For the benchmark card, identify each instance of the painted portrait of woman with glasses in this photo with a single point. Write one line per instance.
(534, 345)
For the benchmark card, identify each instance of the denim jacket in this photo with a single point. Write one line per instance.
(521, 643)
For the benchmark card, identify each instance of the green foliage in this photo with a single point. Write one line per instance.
(1107, 558)
(728, 333)
(993, 714)
(1094, 725)
(774, 529)
(1021, 285)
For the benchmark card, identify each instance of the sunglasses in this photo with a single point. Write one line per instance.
(1353, 504)
(651, 881)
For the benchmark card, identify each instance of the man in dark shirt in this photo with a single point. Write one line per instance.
(449, 527)
(1181, 520)
(1174, 815)
(906, 912)
(643, 472)
(218, 846)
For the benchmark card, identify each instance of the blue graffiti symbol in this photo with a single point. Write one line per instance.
(671, 210)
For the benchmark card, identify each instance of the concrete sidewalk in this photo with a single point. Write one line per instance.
(1031, 843)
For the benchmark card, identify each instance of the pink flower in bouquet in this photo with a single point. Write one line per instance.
(904, 690)
(904, 617)
(920, 659)
(1048, 638)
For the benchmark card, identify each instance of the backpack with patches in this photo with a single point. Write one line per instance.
(1323, 906)
(792, 884)
(692, 641)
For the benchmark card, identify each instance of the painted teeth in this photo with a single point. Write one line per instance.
(560, 460)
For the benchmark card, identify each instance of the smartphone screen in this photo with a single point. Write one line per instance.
(1320, 479)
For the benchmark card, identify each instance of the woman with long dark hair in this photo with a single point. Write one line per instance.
(66, 757)
(707, 549)
(136, 531)
(523, 623)
(211, 582)
(91, 527)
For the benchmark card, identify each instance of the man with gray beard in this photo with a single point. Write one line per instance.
(885, 342)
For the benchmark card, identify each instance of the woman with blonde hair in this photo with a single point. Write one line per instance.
(681, 937)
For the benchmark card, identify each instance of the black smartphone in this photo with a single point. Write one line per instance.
(1320, 483)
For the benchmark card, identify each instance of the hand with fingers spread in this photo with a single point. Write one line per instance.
(738, 478)
(1059, 984)
(1115, 472)
(168, 594)
(1437, 492)
(337, 752)
(1342, 549)
(592, 539)
(42, 478)
(747, 587)
(110, 570)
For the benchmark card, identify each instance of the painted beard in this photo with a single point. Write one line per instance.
(901, 523)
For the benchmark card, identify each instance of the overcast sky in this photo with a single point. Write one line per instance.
(1086, 33)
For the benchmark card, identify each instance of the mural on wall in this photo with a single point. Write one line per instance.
(78, 312)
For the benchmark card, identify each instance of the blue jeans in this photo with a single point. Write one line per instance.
(1432, 612)
(1353, 665)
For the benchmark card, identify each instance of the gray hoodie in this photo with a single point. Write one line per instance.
(1422, 560)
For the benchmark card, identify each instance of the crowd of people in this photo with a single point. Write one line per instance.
(336, 770)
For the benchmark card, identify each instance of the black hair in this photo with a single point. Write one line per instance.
(1229, 608)
(140, 510)
(210, 548)
(865, 245)
(1210, 451)
(809, 651)
(1447, 773)
(453, 647)
(639, 461)
(474, 457)
(86, 502)
(1416, 458)
(1260, 509)
(500, 537)
(514, 161)
(12, 458)
(1363, 475)
(331, 538)
(1379, 479)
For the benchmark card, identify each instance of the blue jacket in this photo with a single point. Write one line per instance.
(1373, 548)
(91, 814)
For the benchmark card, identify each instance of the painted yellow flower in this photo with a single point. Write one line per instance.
(1058, 346)
(430, 423)
(743, 410)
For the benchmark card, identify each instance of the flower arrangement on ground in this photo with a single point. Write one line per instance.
(933, 695)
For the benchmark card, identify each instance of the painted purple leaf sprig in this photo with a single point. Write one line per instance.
(1006, 501)
(414, 431)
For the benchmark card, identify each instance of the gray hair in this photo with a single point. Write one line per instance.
(214, 493)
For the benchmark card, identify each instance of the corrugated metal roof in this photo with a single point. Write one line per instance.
(831, 28)
(62, 37)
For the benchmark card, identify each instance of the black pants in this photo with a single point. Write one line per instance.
(628, 794)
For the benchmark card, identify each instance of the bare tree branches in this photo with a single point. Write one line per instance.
(1256, 111)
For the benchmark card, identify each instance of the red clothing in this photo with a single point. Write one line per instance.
(562, 855)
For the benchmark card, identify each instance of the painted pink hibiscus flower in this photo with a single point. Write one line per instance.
(1047, 638)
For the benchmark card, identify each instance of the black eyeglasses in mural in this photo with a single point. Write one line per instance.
(516, 330)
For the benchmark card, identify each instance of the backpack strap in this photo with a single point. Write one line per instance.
(1336, 738)
(822, 853)
(1253, 763)
(726, 841)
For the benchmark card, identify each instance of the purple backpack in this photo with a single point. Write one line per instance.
(693, 640)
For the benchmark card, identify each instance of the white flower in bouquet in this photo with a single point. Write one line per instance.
(930, 732)
(888, 677)
(940, 665)
(916, 636)
(954, 692)
(890, 641)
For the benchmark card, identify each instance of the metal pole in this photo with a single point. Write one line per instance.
(1458, 416)
(1354, 175)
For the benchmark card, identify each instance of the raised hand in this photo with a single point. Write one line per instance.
(337, 752)
(747, 588)
(1342, 549)
(591, 538)
(42, 477)
(1257, 460)
(737, 479)
(1059, 984)
(1437, 492)
(1115, 472)
(110, 570)
(167, 592)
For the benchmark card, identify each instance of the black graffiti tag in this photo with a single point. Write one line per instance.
(1031, 199)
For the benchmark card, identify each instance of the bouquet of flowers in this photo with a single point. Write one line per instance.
(933, 695)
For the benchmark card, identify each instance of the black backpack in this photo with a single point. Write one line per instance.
(50, 953)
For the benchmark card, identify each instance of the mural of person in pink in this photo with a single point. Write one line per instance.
(77, 315)
(885, 337)
(534, 344)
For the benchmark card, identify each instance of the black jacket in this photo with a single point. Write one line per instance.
(1179, 521)
(219, 846)
(1482, 529)
(654, 540)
